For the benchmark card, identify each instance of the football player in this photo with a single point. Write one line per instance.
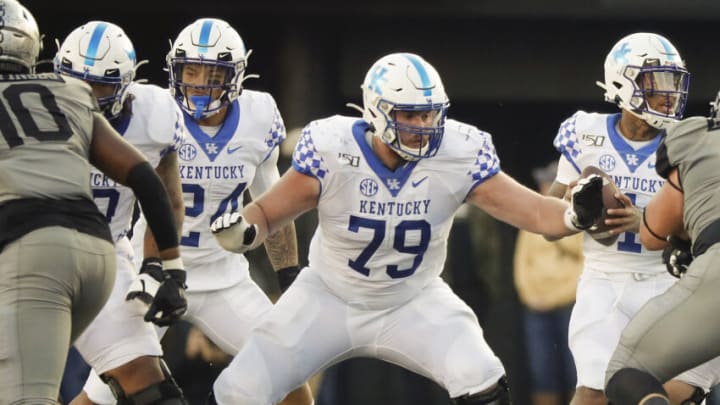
(57, 261)
(656, 345)
(647, 79)
(386, 187)
(119, 344)
(231, 146)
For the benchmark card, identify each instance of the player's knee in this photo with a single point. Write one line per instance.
(235, 393)
(499, 394)
(632, 386)
(165, 392)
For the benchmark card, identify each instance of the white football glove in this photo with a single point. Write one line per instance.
(234, 233)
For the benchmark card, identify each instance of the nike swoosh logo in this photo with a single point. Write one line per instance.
(232, 150)
(417, 183)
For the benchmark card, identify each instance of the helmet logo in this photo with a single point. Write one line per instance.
(620, 53)
(377, 76)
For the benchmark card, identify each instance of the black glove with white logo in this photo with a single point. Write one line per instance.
(587, 202)
(677, 256)
(146, 285)
(163, 282)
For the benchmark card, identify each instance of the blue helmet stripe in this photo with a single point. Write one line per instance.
(205, 36)
(97, 35)
(424, 78)
(669, 51)
(131, 54)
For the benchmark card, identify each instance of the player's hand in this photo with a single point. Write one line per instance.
(234, 233)
(587, 202)
(170, 303)
(626, 219)
(146, 285)
(677, 256)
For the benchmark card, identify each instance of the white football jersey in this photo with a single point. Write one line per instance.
(154, 128)
(382, 234)
(591, 139)
(215, 172)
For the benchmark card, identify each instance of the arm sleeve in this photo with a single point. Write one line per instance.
(153, 198)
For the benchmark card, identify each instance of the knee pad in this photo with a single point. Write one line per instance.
(500, 395)
(697, 397)
(630, 386)
(165, 392)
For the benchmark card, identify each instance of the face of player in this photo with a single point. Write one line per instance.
(202, 80)
(660, 91)
(104, 94)
(101, 90)
(417, 119)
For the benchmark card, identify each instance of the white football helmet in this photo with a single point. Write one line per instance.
(209, 42)
(646, 64)
(404, 82)
(99, 52)
(20, 42)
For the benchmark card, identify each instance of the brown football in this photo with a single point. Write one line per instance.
(599, 231)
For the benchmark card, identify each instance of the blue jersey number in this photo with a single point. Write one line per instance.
(628, 242)
(399, 244)
(113, 197)
(198, 206)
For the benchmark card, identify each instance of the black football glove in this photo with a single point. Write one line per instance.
(146, 285)
(587, 202)
(169, 304)
(677, 256)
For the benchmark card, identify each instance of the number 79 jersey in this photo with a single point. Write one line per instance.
(591, 139)
(382, 235)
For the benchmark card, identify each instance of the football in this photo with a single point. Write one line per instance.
(599, 231)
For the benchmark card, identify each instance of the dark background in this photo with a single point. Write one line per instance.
(516, 69)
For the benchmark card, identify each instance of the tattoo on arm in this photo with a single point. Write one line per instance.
(281, 247)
